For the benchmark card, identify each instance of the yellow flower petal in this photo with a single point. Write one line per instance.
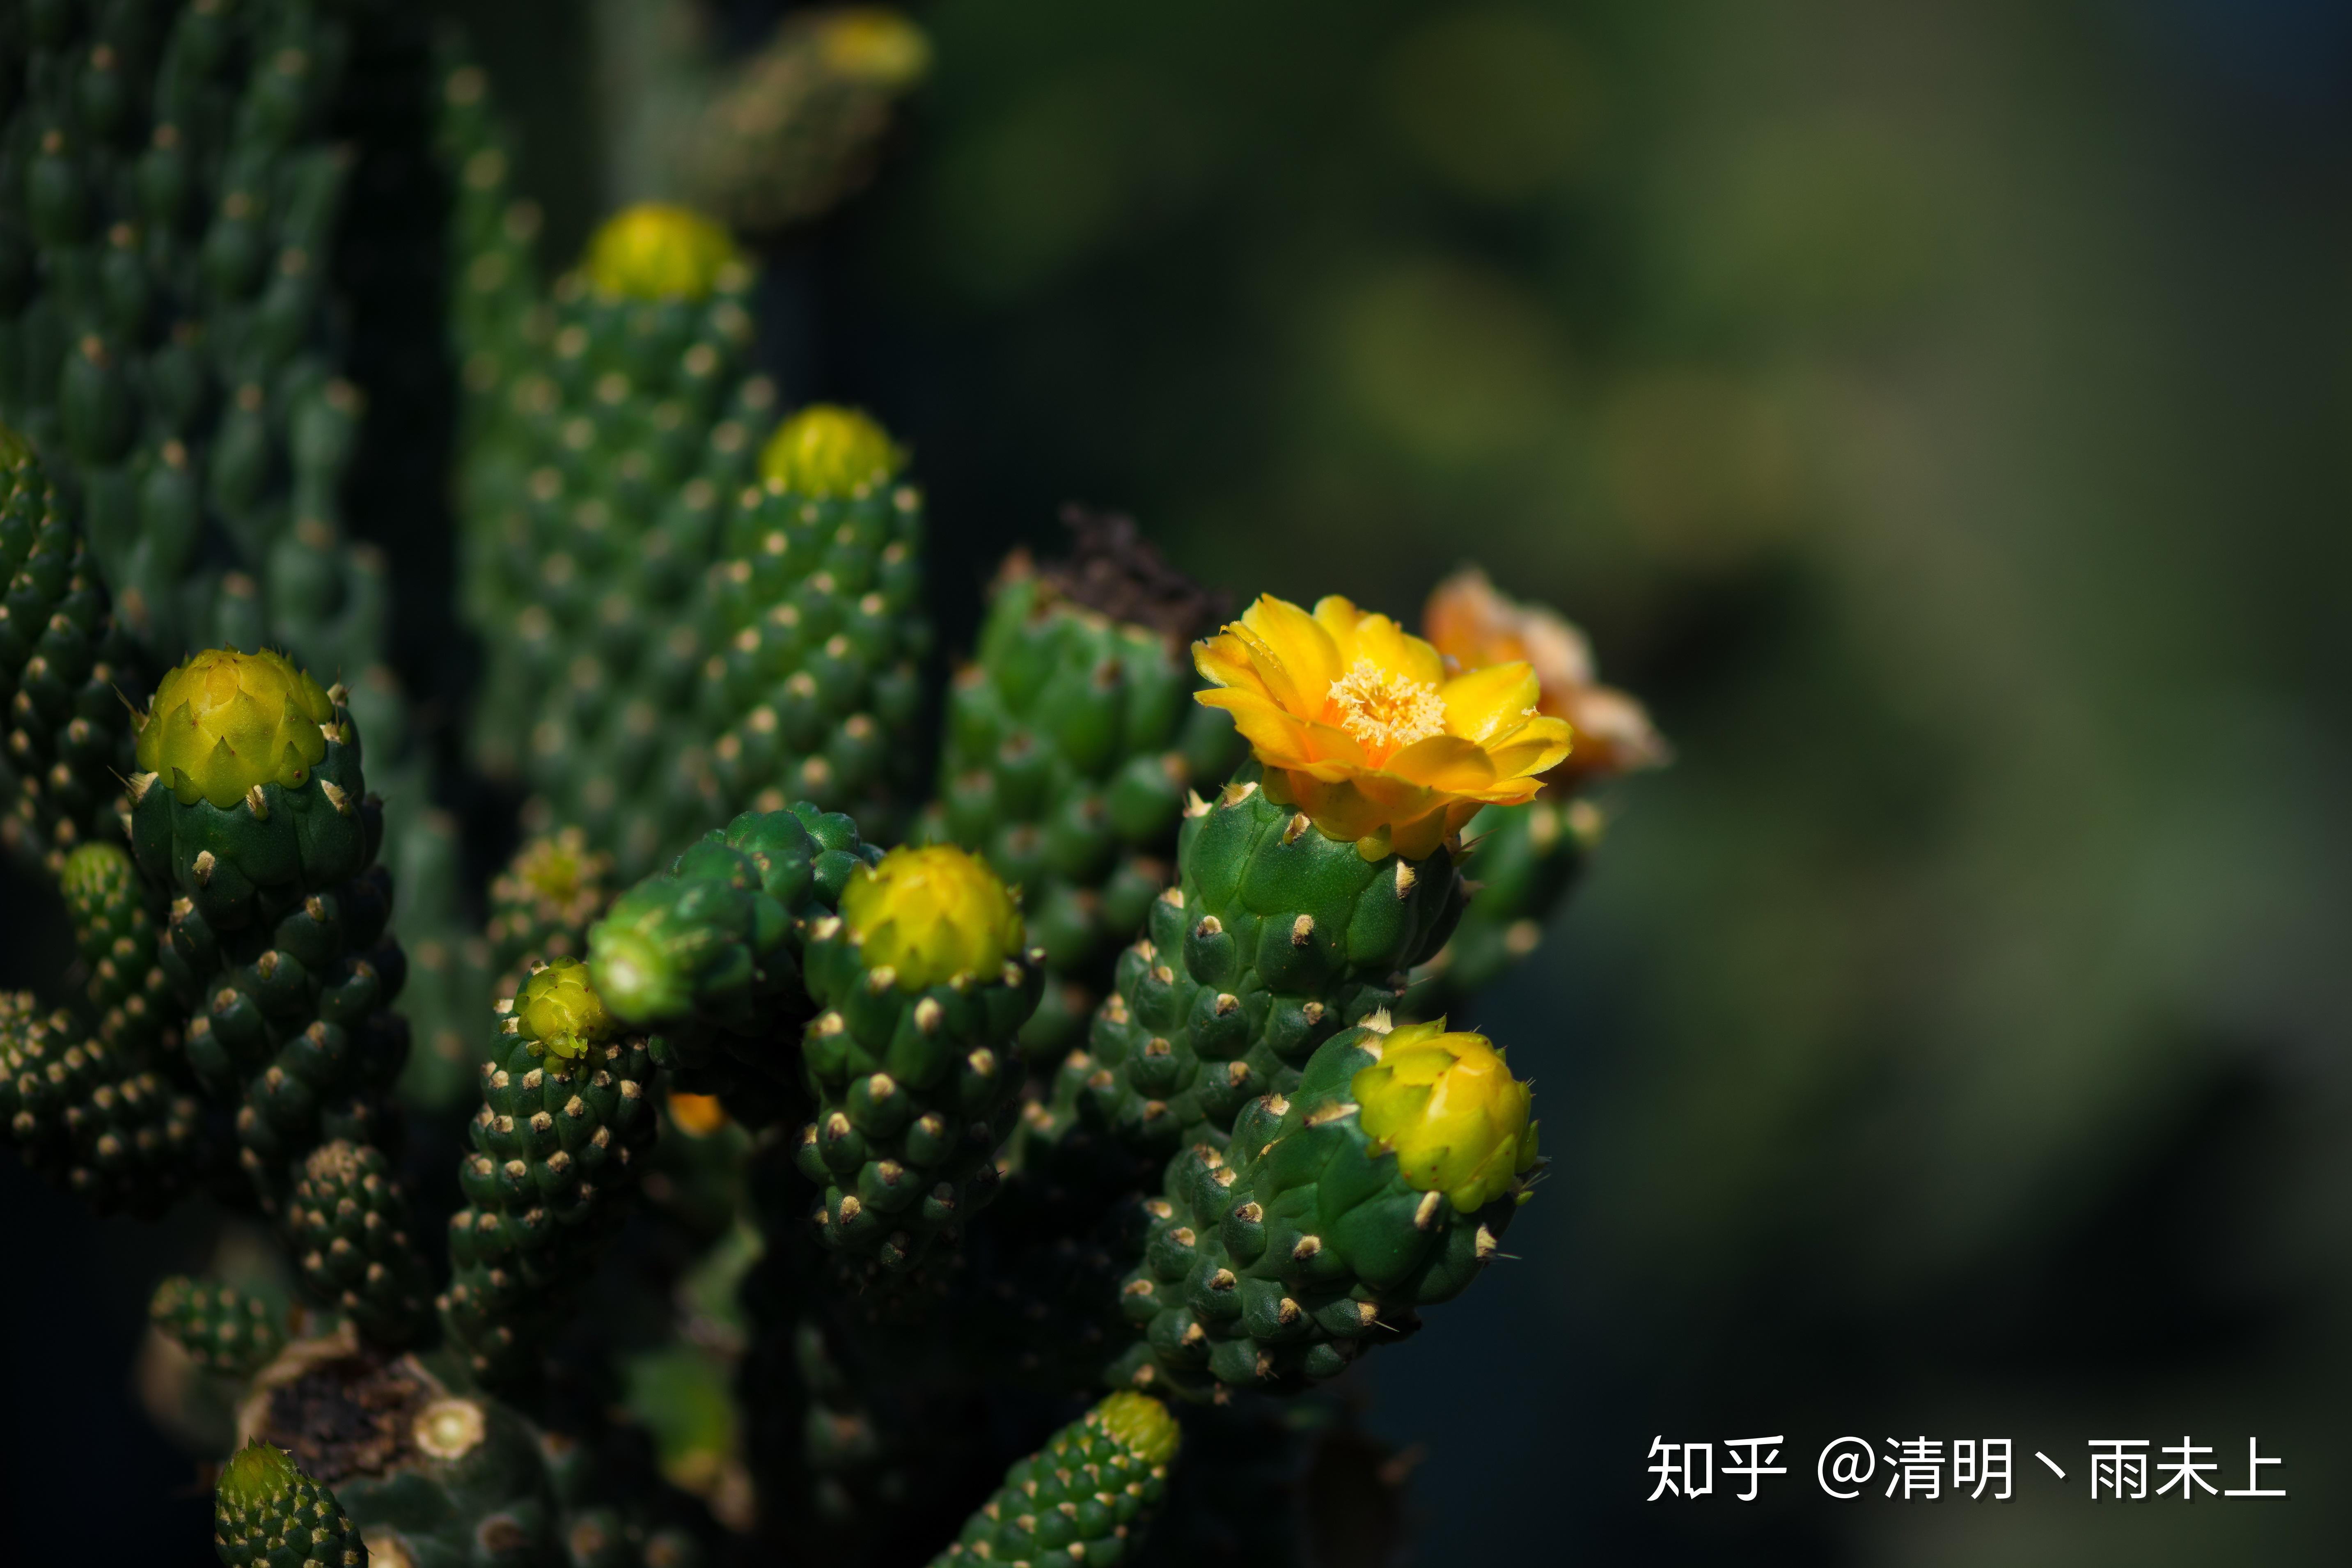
(1275, 736)
(1309, 659)
(1484, 703)
(1392, 648)
(1446, 762)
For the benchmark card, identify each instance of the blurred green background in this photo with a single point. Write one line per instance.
(1938, 412)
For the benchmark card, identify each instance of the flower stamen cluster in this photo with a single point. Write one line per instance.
(1386, 711)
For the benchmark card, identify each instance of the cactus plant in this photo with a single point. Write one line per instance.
(791, 1154)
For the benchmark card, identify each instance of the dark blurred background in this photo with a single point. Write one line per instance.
(1939, 414)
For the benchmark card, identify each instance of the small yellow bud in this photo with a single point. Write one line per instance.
(824, 450)
(655, 252)
(256, 1473)
(224, 721)
(930, 915)
(1141, 1425)
(1449, 1108)
(557, 1011)
(874, 44)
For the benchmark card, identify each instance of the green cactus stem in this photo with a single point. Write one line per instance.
(797, 126)
(350, 1230)
(565, 1116)
(89, 1117)
(1275, 937)
(1381, 1184)
(1082, 1500)
(1070, 741)
(276, 939)
(114, 915)
(914, 1059)
(224, 1329)
(268, 1514)
(706, 954)
(63, 667)
(249, 794)
(817, 632)
(591, 486)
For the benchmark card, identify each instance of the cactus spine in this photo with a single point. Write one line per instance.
(1084, 1497)
(350, 1228)
(1069, 744)
(115, 928)
(251, 809)
(92, 1117)
(224, 1329)
(564, 1121)
(268, 1514)
(1379, 1185)
(1275, 937)
(914, 1059)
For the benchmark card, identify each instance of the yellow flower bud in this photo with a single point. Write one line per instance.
(1141, 1425)
(874, 44)
(559, 1012)
(824, 450)
(929, 915)
(655, 252)
(1448, 1107)
(224, 721)
(256, 1473)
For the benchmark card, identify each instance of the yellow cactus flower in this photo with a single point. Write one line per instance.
(1141, 1425)
(1448, 1107)
(826, 450)
(873, 44)
(929, 915)
(225, 721)
(1360, 725)
(652, 251)
(1470, 622)
(557, 1012)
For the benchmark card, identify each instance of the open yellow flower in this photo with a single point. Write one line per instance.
(1360, 725)
(1473, 625)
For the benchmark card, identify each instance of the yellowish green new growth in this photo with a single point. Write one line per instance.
(14, 448)
(256, 1473)
(652, 251)
(930, 915)
(874, 44)
(225, 721)
(92, 870)
(557, 1012)
(554, 868)
(827, 451)
(1448, 1107)
(1141, 1425)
